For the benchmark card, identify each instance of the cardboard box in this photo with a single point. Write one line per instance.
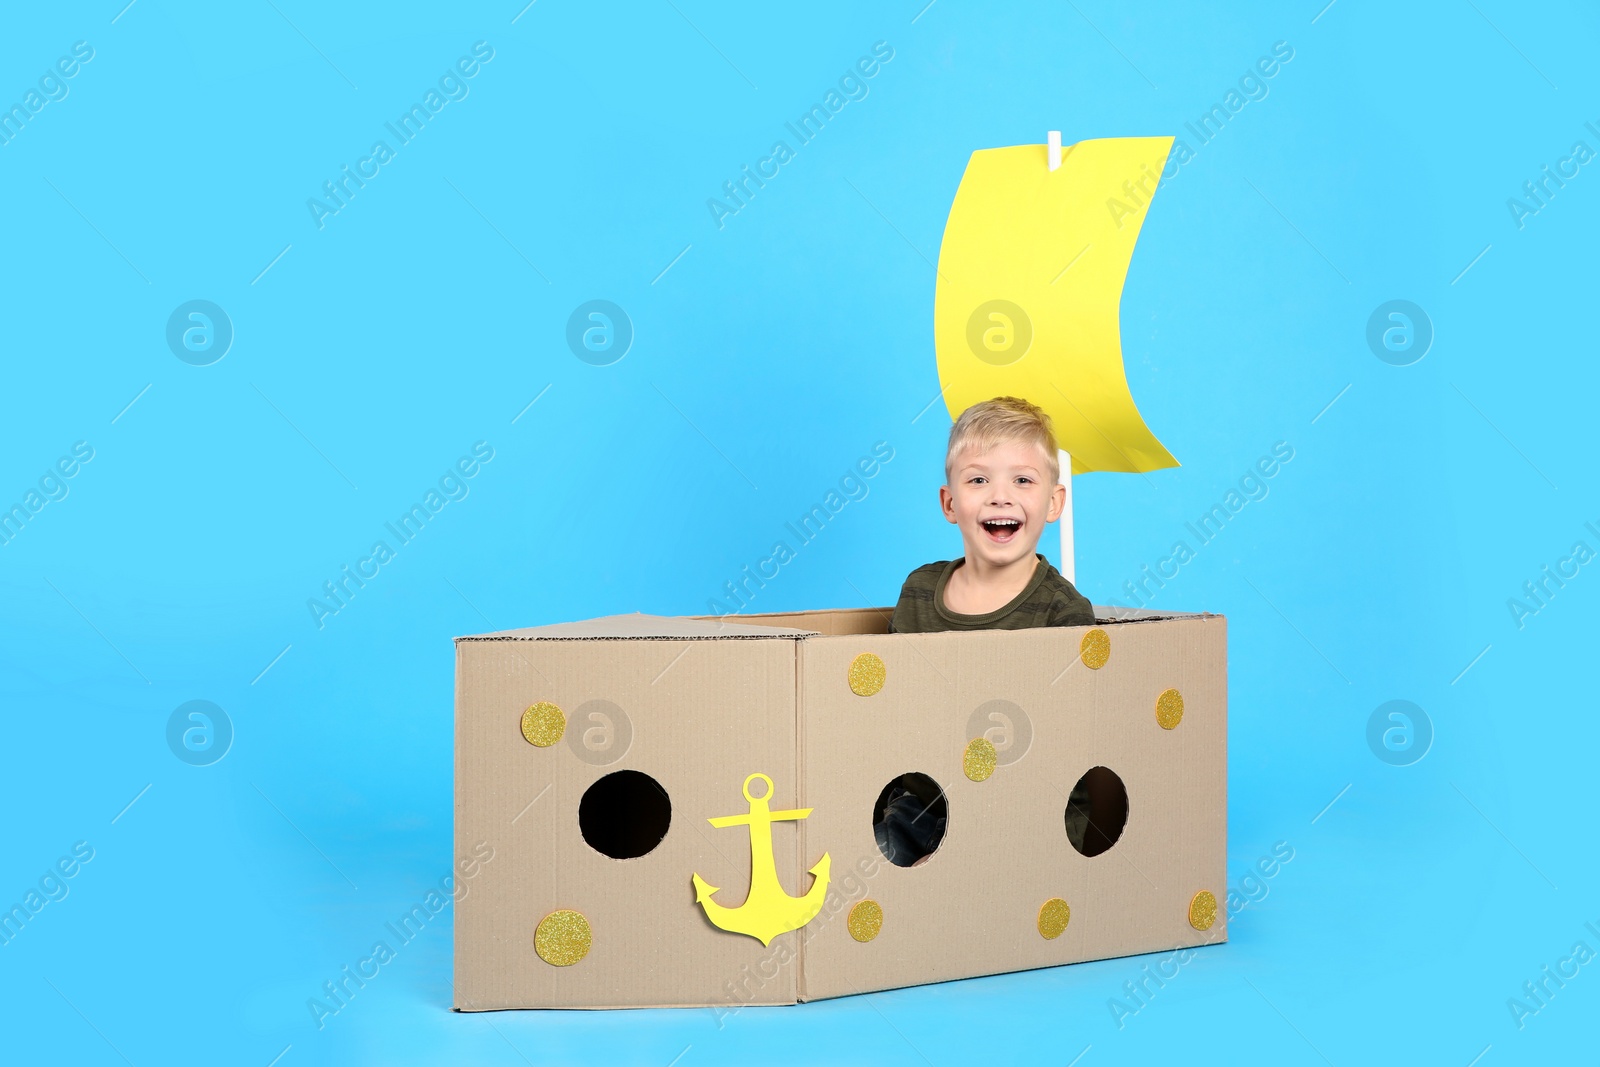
(586, 736)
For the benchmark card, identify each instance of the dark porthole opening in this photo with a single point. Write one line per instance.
(1097, 811)
(624, 815)
(909, 819)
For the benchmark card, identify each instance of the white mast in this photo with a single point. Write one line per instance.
(1068, 570)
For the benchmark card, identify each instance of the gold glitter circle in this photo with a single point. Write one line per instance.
(867, 674)
(1203, 910)
(866, 919)
(1095, 648)
(978, 761)
(1054, 914)
(563, 938)
(543, 724)
(1169, 709)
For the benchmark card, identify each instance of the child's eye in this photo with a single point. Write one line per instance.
(976, 479)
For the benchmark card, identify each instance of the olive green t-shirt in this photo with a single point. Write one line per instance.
(1048, 600)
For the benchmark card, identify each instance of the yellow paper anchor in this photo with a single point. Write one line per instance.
(768, 911)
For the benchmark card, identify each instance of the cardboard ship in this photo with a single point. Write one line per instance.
(697, 812)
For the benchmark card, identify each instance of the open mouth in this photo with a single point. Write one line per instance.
(1001, 530)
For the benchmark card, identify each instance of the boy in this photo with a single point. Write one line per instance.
(1003, 487)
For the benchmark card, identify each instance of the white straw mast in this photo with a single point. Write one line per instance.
(1068, 568)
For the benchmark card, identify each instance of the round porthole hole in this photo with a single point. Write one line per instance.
(624, 815)
(1097, 811)
(909, 819)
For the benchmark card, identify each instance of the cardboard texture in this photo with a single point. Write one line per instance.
(708, 703)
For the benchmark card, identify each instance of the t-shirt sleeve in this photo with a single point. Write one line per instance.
(1068, 607)
(914, 611)
(901, 621)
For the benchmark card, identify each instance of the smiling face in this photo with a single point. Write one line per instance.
(1001, 499)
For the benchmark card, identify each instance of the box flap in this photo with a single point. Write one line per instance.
(833, 621)
(1117, 613)
(641, 627)
(837, 622)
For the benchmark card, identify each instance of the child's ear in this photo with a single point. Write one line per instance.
(1058, 503)
(947, 503)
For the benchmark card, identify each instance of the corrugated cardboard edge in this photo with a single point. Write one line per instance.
(640, 627)
(1117, 614)
(456, 946)
(802, 839)
(1104, 613)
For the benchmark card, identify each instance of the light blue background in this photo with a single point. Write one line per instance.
(429, 312)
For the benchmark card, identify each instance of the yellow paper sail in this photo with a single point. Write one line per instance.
(1030, 286)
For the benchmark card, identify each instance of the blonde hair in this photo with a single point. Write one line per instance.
(1005, 418)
